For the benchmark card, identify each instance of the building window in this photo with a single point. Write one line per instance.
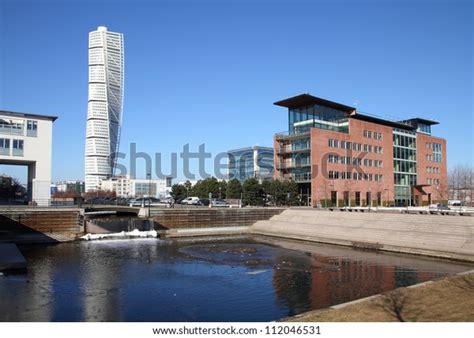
(346, 198)
(357, 198)
(4, 146)
(17, 148)
(17, 144)
(31, 128)
(4, 143)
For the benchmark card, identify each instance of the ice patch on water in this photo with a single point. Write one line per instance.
(123, 234)
(256, 272)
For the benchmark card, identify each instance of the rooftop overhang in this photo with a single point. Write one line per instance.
(420, 187)
(305, 100)
(381, 121)
(17, 115)
(417, 120)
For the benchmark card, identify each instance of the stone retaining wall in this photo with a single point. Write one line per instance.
(432, 235)
(39, 224)
(214, 217)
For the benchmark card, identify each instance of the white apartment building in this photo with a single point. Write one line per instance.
(105, 104)
(65, 186)
(26, 139)
(124, 186)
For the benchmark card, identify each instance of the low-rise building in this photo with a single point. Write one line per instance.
(341, 157)
(251, 162)
(125, 186)
(26, 139)
(71, 186)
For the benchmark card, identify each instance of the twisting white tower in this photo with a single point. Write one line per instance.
(104, 111)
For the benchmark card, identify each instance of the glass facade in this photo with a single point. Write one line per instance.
(301, 120)
(145, 189)
(424, 128)
(404, 163)
(254, 162)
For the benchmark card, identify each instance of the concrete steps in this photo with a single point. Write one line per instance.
(434, 235)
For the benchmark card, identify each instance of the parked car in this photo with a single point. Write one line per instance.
(217, 202)
(179, 200)
(145, 201)
(454, 203)
(203, 201)
(190, 201)
(439, 207)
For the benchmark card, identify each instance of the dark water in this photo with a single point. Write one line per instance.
(240, 279)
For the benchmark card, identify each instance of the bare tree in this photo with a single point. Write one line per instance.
(461, 183)
(395, 303)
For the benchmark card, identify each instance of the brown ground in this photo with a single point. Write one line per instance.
(447, 300)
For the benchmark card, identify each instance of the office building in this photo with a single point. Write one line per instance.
(26, 140)
(341, 157)
(71, 186)
(125, 186)
(104, 111)
(256, 162)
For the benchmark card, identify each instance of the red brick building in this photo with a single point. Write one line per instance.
(340, 157)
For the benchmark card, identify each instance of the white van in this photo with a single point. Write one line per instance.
(190, 201)
(454, 203)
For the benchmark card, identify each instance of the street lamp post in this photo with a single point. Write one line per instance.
(149, 191)
(332, 189)
(369, 202)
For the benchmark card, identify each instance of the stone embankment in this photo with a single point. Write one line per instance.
(40, 225)
(431, 235)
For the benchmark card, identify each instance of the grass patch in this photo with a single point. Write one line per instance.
(447, 300)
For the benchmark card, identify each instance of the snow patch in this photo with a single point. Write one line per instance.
(123, 234)
(256, 272)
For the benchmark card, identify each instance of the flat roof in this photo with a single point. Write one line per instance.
(381, 121)
(420, 120)
(250, 148)
(304, 100)
(27, 115)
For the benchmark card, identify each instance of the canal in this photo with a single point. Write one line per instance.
(207, 279)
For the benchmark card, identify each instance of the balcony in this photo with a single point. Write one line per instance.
(299, 178)
(5, 151)
(287, 136)
(10, 130)
(17, 152)
(32, 132)
(293, 165)
(290, 150)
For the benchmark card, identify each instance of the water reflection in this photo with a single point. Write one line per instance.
(240, 279)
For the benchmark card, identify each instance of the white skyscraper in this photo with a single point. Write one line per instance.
(104, 111)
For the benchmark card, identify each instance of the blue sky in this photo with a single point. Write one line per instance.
(208, 71)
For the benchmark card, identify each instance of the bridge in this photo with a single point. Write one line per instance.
(102, 209)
